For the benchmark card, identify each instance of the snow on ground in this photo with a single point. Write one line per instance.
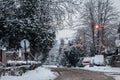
(37, 74)
(103, 69)
(49, 66)
(110, 71)
(117, 77)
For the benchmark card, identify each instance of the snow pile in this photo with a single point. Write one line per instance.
(37, 74)
(103, 69)
(117, 77)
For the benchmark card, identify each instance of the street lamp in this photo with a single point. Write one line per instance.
(81, 37)
(97, 27)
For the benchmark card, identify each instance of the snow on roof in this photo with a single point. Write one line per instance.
(67, 33)
(22, 62)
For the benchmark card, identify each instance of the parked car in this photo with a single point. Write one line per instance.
(87, 61)
(96, 60)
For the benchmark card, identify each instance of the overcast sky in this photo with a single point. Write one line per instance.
(117, 4)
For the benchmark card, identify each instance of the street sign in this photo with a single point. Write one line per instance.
(117, 42)
(25, 43)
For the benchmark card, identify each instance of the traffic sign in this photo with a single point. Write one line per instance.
(25, 43)
(117, 42)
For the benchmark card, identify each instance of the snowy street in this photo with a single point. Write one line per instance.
(75, 74)
(52, 72)
(92, 73)
(89, 73)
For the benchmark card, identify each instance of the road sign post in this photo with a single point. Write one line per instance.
(117, 42)
(25, 44)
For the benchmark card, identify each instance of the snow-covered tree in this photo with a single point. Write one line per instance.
(20, 19)
(35, 20)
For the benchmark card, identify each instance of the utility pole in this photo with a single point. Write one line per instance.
(93, 37)
(84, 43)
(101, 35)
(119, 31)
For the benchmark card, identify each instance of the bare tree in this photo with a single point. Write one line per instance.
(63, 11)
(102, 13)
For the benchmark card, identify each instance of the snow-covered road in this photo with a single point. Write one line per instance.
(44, 73)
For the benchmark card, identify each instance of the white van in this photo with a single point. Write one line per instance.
(99, 60)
